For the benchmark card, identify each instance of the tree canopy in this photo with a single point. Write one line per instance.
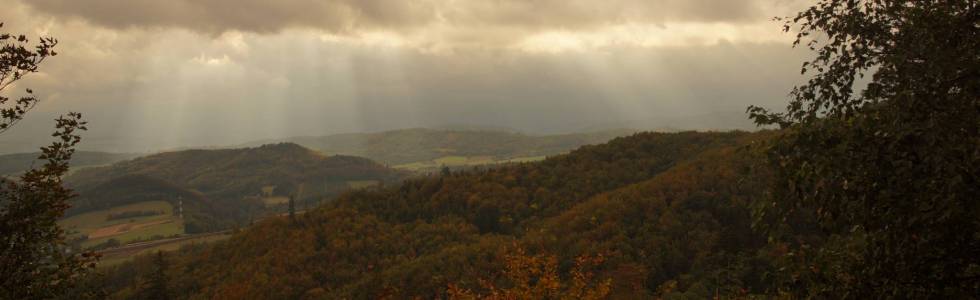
(881, 145)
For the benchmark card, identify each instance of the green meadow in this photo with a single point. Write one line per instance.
(99, 229)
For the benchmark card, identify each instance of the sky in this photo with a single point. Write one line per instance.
(151, 75)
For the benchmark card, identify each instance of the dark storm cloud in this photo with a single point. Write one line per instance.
(361, 88)
(157, 74)
(215, 16)
(343, 16)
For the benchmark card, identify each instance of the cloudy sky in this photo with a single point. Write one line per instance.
(151, 74)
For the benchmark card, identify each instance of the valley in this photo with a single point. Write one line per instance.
(680, 197)
(489, 150)
(127, 205)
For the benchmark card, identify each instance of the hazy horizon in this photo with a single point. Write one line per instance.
(191, 74)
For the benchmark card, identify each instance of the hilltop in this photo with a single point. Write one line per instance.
(225, 186)
(406, 146)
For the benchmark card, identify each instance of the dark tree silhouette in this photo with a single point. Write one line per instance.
(292, 208)
(157, 285)
(890, 170)
(35, 262)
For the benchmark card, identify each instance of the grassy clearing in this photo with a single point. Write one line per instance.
(124, 230)
(167, 229)
(91, 221)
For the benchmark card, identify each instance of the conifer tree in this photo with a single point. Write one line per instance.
(156, 286)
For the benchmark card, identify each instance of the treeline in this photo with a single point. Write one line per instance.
(669, 212)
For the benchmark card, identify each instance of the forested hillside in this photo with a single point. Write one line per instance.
(668, 211)
(201, 214)
(224, 186)
(863, 184)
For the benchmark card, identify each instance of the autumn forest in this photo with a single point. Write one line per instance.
(419, 176)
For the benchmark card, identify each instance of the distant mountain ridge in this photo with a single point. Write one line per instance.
(422, 144)
(236, 171)
(712, 121)
(19, 162)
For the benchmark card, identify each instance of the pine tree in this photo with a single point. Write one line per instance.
(156, 286)
(292, 208)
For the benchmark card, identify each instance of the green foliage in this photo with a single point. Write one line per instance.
(34, 263)
(890, 170)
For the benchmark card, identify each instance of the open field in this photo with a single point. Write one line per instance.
(448, 161)
(91, 221)
(463, 161)
(119, 229)
(165, 229)
(98, 229)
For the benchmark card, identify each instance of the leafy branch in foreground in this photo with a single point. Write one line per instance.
(16, 61)
(35, 262)
(887, 164)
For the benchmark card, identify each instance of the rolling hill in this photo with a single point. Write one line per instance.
(223, 187)
(668, 211)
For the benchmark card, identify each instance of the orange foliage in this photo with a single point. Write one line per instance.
(536, 277)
